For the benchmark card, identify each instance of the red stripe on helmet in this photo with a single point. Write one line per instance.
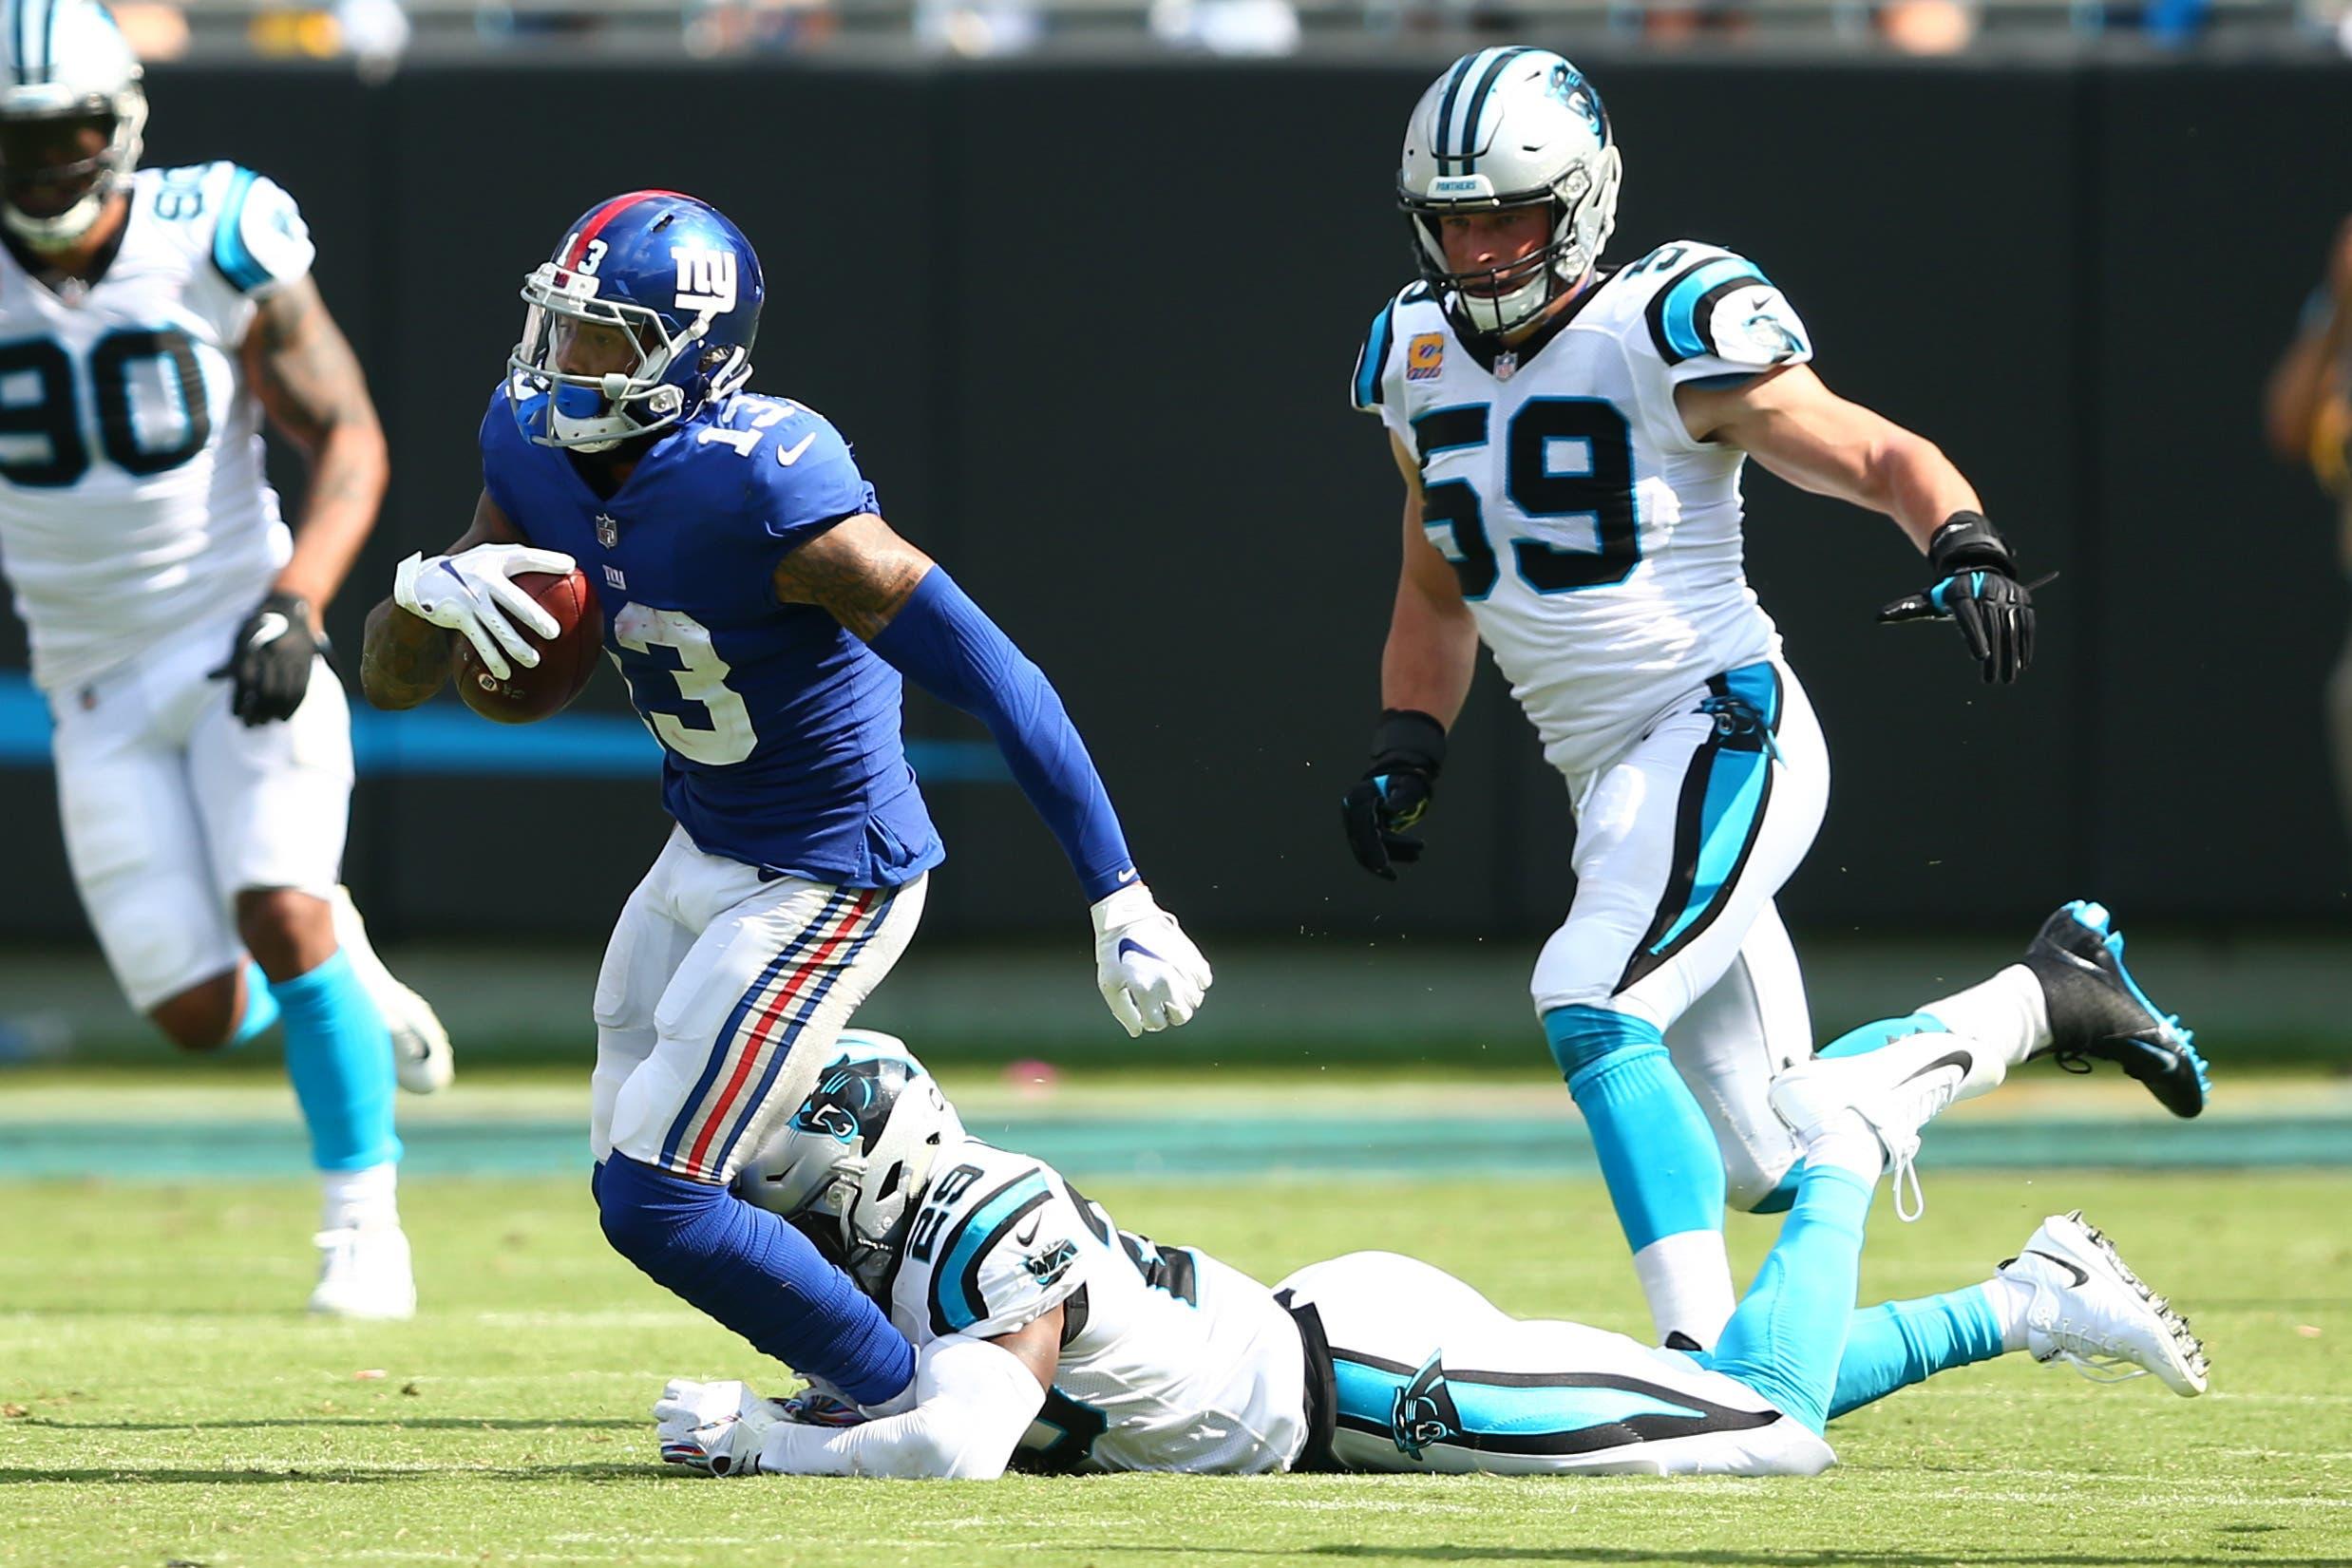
(604, 215)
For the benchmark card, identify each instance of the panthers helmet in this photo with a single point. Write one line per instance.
(64, 70)
(1511, 128)
(849, 1166)
(674, 274)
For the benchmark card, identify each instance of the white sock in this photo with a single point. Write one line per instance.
(2007, 1013)
(1846, 1143)
(1687, 1280)
(2009, 1299)
(361, 1197)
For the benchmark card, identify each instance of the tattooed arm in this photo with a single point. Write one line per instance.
(405, 659)
(299, 364)
(858, 571)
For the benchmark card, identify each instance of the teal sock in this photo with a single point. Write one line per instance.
(1787, 1341)
(1657, 1153)
(261, 1008)
(1896, 1344)
(339, 1056)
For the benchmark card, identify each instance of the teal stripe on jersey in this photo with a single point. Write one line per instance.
(1374, 356)
(1682, 331)
(230, 252)
(955, 1299)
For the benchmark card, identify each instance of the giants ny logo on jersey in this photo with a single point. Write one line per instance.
(706, 279)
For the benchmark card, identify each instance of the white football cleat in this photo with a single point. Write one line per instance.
(2093, 1313)
(421, 1055)
(1896, 1090)
(364, 1273)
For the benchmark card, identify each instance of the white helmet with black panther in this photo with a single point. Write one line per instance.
(1511, 128)
(65, 67)
(851, 1163)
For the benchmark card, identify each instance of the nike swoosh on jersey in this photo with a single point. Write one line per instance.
(790, 455)
(1022, 1238)
(1127, 876)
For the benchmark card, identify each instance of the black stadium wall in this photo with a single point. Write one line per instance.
(1090, 327)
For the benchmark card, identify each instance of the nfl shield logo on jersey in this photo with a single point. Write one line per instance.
(608, 530)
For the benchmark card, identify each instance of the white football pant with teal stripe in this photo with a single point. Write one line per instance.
(1670, 995)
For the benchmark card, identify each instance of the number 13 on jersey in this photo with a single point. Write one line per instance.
(725, 737)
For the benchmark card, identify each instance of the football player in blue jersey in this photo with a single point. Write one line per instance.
(763, 613)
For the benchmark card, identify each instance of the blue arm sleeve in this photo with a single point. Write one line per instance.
(948, 646)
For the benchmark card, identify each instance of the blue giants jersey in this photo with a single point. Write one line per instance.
(779, 730)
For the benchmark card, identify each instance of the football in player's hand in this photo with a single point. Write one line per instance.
(565, 660)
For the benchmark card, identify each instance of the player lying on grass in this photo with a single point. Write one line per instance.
(1050, 1338)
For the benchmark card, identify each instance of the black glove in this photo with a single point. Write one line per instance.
(270, 660)
(1977, 586)
(1406, 751)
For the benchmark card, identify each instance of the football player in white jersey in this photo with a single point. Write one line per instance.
(148, 320)
(1050, 1339)
(1571, 441)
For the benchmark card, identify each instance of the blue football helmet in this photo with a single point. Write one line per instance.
(675, 275)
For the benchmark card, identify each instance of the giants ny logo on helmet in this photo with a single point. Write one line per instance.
(706, 279)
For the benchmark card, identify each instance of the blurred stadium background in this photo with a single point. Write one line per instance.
(1086, 305)
(1082, 280)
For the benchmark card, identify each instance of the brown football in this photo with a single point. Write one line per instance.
(565, 661)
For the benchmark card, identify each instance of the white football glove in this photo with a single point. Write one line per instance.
(470, 594)
(1149, 971)
(713, 1427)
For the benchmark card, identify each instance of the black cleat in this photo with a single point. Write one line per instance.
(2097, 1009)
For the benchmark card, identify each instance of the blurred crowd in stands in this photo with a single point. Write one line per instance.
(375, 34)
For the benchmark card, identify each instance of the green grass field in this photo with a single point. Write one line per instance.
(167, 1403)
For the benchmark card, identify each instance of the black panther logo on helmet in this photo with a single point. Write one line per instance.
(853, 1099)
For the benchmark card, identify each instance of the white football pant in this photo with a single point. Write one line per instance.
(172, 805)
(1673, 921)
(721, 991)
(1430, 1376)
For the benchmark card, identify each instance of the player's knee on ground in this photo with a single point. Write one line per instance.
(289, 933)
(204, 1017)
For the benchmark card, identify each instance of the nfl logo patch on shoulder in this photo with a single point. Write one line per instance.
(608, 530)
(1425, 356)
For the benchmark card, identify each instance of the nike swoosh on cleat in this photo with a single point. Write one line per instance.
(2081, 1276)
(1960, 1059)
(1129, 944)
